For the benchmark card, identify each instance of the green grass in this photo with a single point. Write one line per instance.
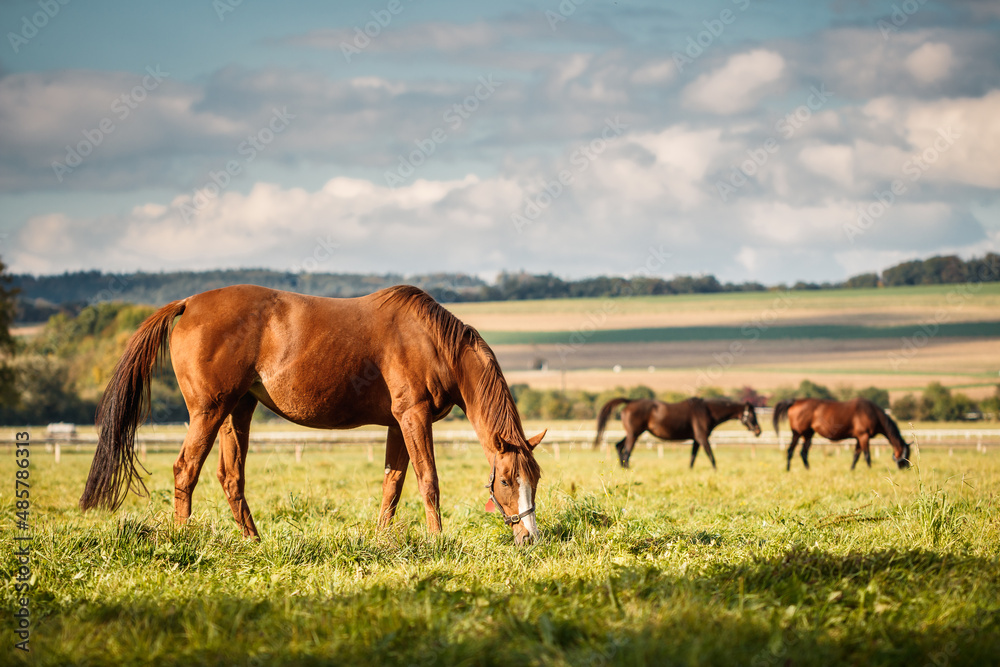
(658, 565)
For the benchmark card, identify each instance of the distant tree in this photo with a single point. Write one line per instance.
(963, 406)
(907, 273)
(984, 270)
(749, 395)
(990, 407)
(862, 281)
(938, 404)
(529, 403)
(555, 405)
(8, 311)
(905, 408)
(806, 389)
(581, 405)
(781, 394)
(711, 393)
(809, 389)
(879, 397)
(640, 391)
(517, 389)
(944, 270)
(670, 396)
(844, 392)
(45, 394)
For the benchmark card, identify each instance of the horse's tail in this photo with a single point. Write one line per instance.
(125, 404)
(602, 417)
(780, 411)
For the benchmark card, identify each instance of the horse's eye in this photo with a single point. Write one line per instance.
(504, 482)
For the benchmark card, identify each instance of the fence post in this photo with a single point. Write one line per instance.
(298, 452)
(555, 450)
(58, 451)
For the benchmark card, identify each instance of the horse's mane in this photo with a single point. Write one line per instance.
(889, 425)
(454, 337)
(723, 406)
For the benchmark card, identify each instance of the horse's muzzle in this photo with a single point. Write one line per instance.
(526, 537)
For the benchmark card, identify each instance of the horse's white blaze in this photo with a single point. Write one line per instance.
(524, 501)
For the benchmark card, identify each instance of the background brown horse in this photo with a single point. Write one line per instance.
(691, 419)
(394, 358)
(858, 418)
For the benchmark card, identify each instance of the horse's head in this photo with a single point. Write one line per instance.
(512, 484)
(749, 418)
(902, 457)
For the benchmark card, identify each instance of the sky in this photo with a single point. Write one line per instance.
(763, 141)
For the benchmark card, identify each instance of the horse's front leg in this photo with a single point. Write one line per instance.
(397, 458)
(865, 448)
(415, 424)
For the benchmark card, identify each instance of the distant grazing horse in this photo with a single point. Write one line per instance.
(394, 358)
(858, 418)
(691, 419)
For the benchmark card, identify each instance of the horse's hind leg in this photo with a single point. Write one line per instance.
(197, 444)
(620, 448)
(857, 454)
(701, 437)
(791, 449)
(694, 452)
(234, 441)
(396, 461)
(807, 439)
(625, 454)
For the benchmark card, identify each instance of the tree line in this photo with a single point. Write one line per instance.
(43, 296)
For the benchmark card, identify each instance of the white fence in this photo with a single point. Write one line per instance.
(299, 441)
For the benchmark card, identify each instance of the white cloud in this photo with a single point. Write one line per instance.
(958, 139)
(683, 157)
(655, 72)
(833, 162)
(930, 62)
(738, 85)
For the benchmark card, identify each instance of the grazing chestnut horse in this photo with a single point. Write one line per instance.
(394, 358)
(858, 418)
(693, 418)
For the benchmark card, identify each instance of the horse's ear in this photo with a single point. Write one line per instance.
(535, 439)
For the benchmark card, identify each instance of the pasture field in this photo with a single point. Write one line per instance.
(900, 339)
(892, 306)
(658, 565)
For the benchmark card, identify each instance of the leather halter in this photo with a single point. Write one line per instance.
(513, 518)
